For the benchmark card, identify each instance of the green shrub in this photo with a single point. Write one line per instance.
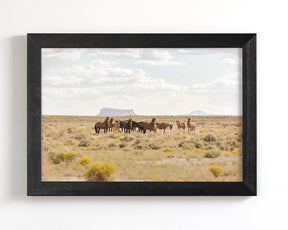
(112, 145)
(84, 143)
(210, 138)
(212, 153)
(56, 159)
(127, 139)
(122, 145)
(79, 136)
(154, 146)
(70, 156)
(99, 171)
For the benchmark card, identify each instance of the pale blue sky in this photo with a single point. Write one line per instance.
(150, 81)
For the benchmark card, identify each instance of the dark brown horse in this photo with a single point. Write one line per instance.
(180, 125)
(122, 123)
(102, 125)
(191, 125)
(163, 126)
(128, 126)
(141, 126)
(110, 125)
(150, 126)
(135, 125)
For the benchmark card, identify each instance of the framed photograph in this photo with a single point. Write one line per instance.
(141, 114)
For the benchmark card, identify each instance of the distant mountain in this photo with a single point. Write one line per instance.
(116, 112)
(199, 113)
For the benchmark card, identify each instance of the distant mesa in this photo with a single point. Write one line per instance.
(109, 112)
(199, 113)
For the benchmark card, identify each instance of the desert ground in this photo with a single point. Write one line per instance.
(176, 155)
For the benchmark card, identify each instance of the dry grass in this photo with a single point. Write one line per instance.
(173, 156)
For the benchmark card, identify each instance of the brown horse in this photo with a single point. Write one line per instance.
(180, 125)
(102, 125)
(110, 125)
(151, 126)
(163, 126)
(191, 125)
(116, 125)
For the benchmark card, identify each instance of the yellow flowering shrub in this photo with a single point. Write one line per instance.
(63, 156)
(168, 150)
(84, 161)
(199, 150)
(67, 156)
(100, 171)
(235, 152)
(216, 170)
(70, 156)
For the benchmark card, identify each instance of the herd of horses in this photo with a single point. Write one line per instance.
(129, 125)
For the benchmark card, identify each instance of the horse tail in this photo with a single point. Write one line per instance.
(96, 129)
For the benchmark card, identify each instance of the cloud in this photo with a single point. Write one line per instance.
(60, 54)
(96, 68)
(208, 51)
(230, 61)
(133, 53)
(61, 81)
(230, 83)
(158, 57)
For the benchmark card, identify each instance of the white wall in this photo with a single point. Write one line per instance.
(267, 210)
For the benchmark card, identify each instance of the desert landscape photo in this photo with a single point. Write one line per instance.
(141, 115)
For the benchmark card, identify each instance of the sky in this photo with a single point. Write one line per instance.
(160, 81)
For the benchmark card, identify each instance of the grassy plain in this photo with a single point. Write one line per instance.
(173, 156)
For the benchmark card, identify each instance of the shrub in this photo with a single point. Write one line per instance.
(137, 141)
(212, 153)
(210, 138)
(84, 143)
(79, 136)
(69, 130)
(99, 171)
(56, 159)
(112, 145)
(216, 170)
(154, 146)
(200, 151)
(114, 135)
(168, 150)
(235, 152)
(127, 139)
(62, 156)
(70, 156)
(122, 145)
(198, 145)
(84, 161)
(69, 142)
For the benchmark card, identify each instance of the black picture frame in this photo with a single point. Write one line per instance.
(37, 41)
